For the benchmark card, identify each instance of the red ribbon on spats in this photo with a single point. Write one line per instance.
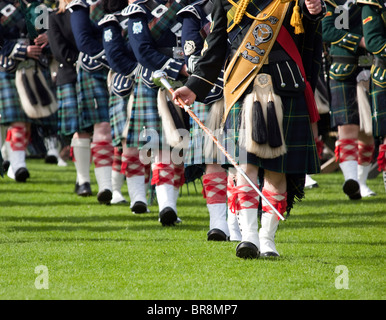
(381, 160)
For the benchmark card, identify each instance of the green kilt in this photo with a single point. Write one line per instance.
(11, 109)
(93, 98)
(196, 153)
(301, 156)
(10, 106)
(145, 122)
(118, 118)
(68, 109)
(378, 106)
(344, 103)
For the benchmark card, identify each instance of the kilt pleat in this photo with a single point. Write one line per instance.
(68, 109)
(144, 117)
(378, 105)
(93, 98)
(344, 103)
(118, 118)
(10, 106)
(195, 155)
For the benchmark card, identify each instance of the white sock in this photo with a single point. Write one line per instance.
(349, 169)
(218, 217)
(137, 189)
(82, 153)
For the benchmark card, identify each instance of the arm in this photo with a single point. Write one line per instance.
(86, 34)
(339, 36)
(61, 50)
(118, 54)
(145, 48)
(374, 30)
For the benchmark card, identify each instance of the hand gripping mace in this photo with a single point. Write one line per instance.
(161, 76)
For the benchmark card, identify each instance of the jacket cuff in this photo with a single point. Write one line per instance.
(19, 52)
(172, 68)
(199, 86)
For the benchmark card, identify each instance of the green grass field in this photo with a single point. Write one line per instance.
(331, 248)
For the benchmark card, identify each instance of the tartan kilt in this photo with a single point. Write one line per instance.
(144, 117)
(11, 109)
(118, 117)
(68, 109)
(10, 106)
(378, 108)
(195, 155)
(93, 98)
(344, 103)
(301, 156)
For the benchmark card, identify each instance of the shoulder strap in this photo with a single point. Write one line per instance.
(288, 44)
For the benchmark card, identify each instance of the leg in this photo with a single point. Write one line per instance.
(275, 187)
(365, 157)
(215, 185)
(134, 171)
(233, 225)
(247, 203)
(117, 178)
(102, 152)
(81, 156)
(18, 136)
(346, 150)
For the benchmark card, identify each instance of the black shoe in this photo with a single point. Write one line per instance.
(352, 189)
(51, 159)
(6, 165)
(83, 190)
(21, 175)
(216, 235)
(139, 207)
(104, 196)
(168, 217)
(247, 250)
(269, 255)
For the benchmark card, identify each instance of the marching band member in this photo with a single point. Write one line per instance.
(65, 51)
(155, 37)
(265, 74)
(25, 90)
(374, 27)
(349, 99)
(123, 66)
(195, 25)
(93, 96)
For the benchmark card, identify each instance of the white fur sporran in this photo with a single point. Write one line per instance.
(33, 108)
(213, 123)
(171, 133)
(263, 92)
(364, 107)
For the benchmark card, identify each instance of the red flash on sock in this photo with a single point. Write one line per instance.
(215, 187)
(346, 150)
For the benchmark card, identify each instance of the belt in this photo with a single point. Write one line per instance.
(345, 59)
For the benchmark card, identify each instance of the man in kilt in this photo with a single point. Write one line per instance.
(374, 32)
(93, 95)
(154, 36)
(349, 74)
(65, 51)
(285, 152)
(123, 66)
(22, 50)
(195, 26)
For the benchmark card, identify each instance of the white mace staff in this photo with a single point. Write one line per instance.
(161, 76)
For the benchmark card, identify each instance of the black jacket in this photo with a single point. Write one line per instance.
(63, 47)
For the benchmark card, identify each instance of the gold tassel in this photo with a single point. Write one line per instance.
(296, 19)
